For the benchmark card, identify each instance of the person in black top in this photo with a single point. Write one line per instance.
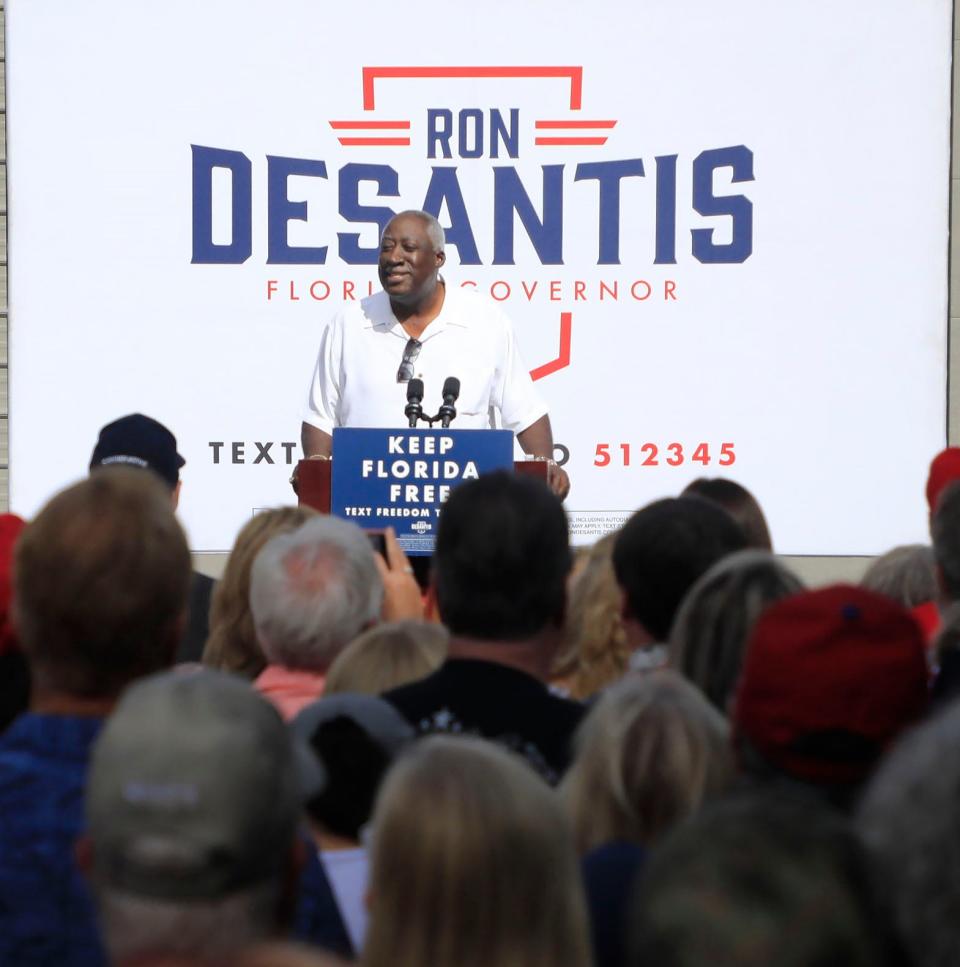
(499, 575)
(658, 556)
(140, 441)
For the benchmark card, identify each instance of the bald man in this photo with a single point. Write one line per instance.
(417, 327)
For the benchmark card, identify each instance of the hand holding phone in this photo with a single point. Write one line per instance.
(402, 599)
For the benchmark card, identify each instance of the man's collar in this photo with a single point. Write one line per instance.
(390, 323)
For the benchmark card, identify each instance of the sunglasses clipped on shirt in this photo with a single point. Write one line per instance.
(410, 353)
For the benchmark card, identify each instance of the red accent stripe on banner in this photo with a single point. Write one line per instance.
(563, 360)
(368, 125)
(362, 142)
(575, 124)
(569, 140)
(574, 74)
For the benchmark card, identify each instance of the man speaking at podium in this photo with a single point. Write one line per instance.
(418, 328)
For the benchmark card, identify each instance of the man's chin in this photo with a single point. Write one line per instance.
(399, 291)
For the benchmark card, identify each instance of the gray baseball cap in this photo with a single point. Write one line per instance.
(193, 790)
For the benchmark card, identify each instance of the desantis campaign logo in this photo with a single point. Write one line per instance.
(376, 162)
(471, 134)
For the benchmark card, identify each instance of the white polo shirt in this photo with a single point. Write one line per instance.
(355, 379)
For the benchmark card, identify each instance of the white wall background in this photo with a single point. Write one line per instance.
(890, 438)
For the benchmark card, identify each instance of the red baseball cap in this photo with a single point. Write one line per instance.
(830, 678)
(944, 470)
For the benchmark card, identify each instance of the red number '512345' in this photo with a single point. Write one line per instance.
(671, 454)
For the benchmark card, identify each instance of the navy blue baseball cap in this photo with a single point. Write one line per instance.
(139, 441)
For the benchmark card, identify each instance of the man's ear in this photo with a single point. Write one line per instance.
(175, 496)
(441, 257)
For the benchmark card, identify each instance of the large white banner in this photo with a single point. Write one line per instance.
(720, 231)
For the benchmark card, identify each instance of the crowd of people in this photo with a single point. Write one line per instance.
(659, 751)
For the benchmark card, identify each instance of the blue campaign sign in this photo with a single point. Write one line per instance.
(400, 478)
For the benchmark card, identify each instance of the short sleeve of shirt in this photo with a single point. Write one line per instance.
(517, 399)
(323, 397)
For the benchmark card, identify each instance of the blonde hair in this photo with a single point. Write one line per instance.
(647, 755)
(386, 656)
(595, 652)
(709, 636)
(472, 865)
(232, 644)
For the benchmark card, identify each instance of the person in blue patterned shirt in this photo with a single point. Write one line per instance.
(100, 590)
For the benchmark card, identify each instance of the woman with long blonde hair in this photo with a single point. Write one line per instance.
(714, 622)
(595, 651)
(649, 754)
(473, 864)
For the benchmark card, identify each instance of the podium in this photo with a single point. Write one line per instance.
(373, 472)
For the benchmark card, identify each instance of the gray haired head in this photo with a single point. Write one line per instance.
(312, 592)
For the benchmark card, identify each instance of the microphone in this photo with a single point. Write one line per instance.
(414, 411)
(451, 390)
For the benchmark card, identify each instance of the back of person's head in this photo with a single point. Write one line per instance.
(354, 738)
(595, 651)
(832, 677)
(193, 799)
(387, 656)
(100, 584)
(945, 532)
(907, 574)
(139, 441)
(313, 591)
(710, 632)
(232, 643)
(662, 550)
(473, 864)
(944, 656)
(501, 559)
(648, 754)
(908, 819)
(756, 881)
(739, 503)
